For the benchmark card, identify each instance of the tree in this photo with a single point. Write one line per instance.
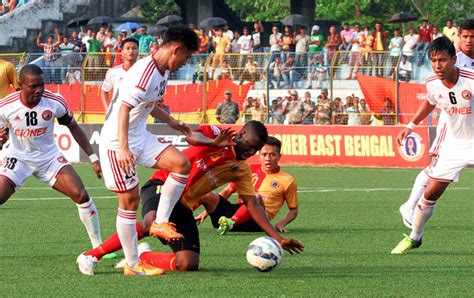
(153, 10)
(260, 10)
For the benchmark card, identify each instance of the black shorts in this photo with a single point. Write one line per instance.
(227, 209)
(182, 216)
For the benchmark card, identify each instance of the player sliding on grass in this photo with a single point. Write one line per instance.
(29, 114)
(451, 89)
(273, 187)
(211, 168)
(465, 58)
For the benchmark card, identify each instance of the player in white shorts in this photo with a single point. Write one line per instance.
(451, 90)
(29, 114)
(114, 76)
(465, 59)
(125, 143)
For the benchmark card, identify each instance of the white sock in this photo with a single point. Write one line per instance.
(423, 212)
(90, 218)
(418, 190)
(170, 194)
(126, 220)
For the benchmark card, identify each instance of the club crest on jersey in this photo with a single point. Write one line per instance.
(466, 94)
(234, 168)
(62, 159)
(412, 148)
(47, 115)
(274, 184)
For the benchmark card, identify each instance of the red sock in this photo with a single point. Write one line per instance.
(111, 244)
(241, 216)
(166, 261)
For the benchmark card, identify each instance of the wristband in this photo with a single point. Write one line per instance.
(411, 125)
(93, 158)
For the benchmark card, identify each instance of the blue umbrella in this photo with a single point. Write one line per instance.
(127, 26)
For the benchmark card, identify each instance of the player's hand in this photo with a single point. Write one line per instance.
(281, 228)
(3, 135)
(291, 245)
(225, 138)
(201, 217)
(127, 161)
(182, 127)
(403, 135)
(97, 169)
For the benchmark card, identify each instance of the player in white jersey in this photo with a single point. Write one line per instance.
(125, 143)
(29, 114)
(465, 56)
(451, 90)
(114, 76)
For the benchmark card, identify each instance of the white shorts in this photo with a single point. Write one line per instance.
(452, 158)
(439, 139)
(148, 154)
(17, 170)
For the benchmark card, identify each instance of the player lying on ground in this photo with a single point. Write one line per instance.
(211, 168)
(272, 185)
(451, 89)
(29, 114)
(465, 59)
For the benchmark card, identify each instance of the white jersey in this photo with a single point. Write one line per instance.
(31, 129)
(141, 87)
(463, 60)
(456, 104)
(113, 78)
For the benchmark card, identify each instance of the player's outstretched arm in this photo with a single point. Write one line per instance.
(159, 113)
(423, 111)
(258, 214)
(222, 140)
(81, 138)
(289, 217)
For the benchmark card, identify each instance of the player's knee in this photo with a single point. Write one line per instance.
(80, 196)
(182, 166)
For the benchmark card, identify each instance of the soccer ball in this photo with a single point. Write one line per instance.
(264, 253)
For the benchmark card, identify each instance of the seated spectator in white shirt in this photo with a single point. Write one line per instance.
(405, 69)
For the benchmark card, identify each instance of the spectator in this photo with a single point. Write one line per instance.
(228, 111)
(144, 39)
(221, 45)
(275, 69)
(8, 77)
(276, 113)
(294, 109)
(353, 112)
(356, 57)
(235, 44)
(387, 113)
(86, 38)
(199, 73)
(154, 46)
(380, 42)
(337, 112)
(228, 33)
(109, 45)
(367, 43)
(405, 69)
(435, 33)
(324, 94)
(301, 47)
(161, 104)
(75, 40)
(118, 50)
(424, 35)
(247, 109)
(124, 33)
(333, 43)
(410, 42)
(275, 40)
(245, 42)
(395, 48)
(49, 48)
(288, 72)
(203, 41)
(450, 31)
(73, 76)
(316, 70)
(322, 115)
(101, 35)
(346, 37)
(365, 113)
(308, 109)
(193, 27)
(226, 71)
(94, 59)
(68, 56)
(315, 43)
(250, 72)
(257, 36)
(287, 43)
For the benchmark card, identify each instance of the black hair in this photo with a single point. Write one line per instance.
(467, 25)
(129, 39)
(145, 27)
(441, 44)
(345, 24)
(257, 129)
(272, 141)
(30, 69)
(183, 35)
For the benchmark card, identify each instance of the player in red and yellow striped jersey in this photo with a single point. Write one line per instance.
(273, 186)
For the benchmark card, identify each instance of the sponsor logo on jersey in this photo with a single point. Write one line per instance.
(412, 148)
(26, 133)
(466, 94)
(458, 110)
(47, 115)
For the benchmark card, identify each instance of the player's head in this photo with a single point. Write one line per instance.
(130, 49)
(443, 57)
(250, 139)
(179, 43)
(31, 83)
(270, 154)
(466, 34)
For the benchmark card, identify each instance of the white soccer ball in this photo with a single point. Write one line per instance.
(264, 253)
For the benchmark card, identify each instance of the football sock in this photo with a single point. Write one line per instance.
(127, 233)
(90, 218)
(417, 190)
(166, 261)
(241, 216)
(111, 244)
(170, 195)
(423, 212)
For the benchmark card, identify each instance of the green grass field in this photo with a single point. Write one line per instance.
(348, 221)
